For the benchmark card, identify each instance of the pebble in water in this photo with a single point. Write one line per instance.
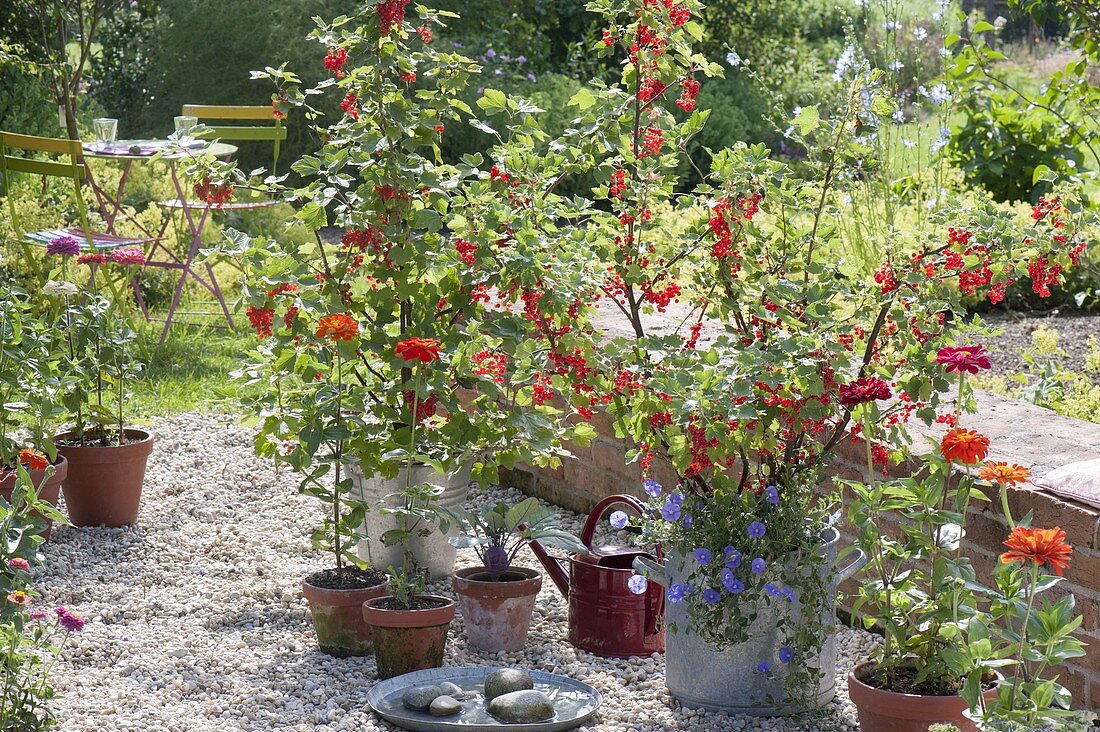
(419, 698)
(522, 707)
(444, 706)
(453, 690)
(506, 680)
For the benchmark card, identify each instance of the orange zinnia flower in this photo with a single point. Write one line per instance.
(1039, 546)
(1004, 474)
(964, 446)
(418, 349)
(33, 459)
(19, 598)
(338, 327)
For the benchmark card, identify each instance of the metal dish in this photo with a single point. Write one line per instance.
(574, 702)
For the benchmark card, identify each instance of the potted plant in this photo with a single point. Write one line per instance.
(31, 385)
(381, 355)
(497, 599)
(107, 459)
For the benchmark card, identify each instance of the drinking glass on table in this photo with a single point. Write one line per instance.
(106, 130)
(184, 124)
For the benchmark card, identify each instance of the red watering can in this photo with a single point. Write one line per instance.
(605, 617)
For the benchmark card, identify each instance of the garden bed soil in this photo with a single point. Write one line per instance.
(347, 578)
(1015, 336)
(418, 603)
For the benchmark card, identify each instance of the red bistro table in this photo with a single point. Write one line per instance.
(195, 213)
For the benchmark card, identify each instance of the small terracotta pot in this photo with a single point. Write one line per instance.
(408, 640)
(47, 493)
(880, 710)
(103, 487)
(497, 613)
(338, 618)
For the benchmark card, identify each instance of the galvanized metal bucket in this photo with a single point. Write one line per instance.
(432, 551)
(699, 675)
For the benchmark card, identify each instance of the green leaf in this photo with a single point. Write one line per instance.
(982, 26)
(493, 101)
(583, 99)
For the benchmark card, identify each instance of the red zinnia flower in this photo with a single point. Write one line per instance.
(19, 563)
(338, 327)
(970, 359)
(1039, 546)
(418, 349)
(867, 389)
(33, 459)
(964, 446)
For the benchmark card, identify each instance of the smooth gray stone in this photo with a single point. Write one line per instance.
(444, 706)
(506, 680)
(522, 707)
(453, 690)
(419, 698)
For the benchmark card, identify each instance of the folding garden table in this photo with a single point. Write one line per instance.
(158, 253)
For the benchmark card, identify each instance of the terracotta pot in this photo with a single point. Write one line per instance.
(408, 640)
(338, 618)
(888, 711)
(103, 487)
(497, 614)
(47, 493)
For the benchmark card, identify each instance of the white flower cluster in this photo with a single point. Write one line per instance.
(55, 288)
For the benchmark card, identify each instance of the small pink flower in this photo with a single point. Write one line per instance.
(128, 255)
(38, 615)
(69, 620)
(19, 563)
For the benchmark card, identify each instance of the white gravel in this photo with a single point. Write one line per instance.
(196, 621)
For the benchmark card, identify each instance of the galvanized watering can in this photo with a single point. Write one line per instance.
(605, 617)
(700, 675)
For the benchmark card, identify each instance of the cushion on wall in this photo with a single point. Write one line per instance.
(1077, 481)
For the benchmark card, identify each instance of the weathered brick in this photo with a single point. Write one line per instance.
(1079, 522)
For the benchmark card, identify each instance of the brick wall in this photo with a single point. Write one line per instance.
(1019, 433)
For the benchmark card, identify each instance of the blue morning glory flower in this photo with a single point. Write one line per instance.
(703, 555)
(676, 498)
(676, 592)
(733, 557)
(758, 566)
(764, 667)
(772, 590)
(733, 585)
(637, 584)
(711, 596)
(789, 594)
(772, 494)
(671, 510)
(652, 488)
(757, 529)
(619, 519)
(786, 653)
(688, 520)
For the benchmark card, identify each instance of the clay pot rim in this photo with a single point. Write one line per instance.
(464, 583)
(341, 596)
(380, 617)
(144, 446)
(60, 468)
(894, 703)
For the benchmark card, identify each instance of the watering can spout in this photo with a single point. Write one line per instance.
(553, 567)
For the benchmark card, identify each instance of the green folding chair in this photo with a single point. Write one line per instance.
(67, 164)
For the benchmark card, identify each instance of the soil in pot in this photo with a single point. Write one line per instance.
(915, 710)
(409, 638)
(48, 492)
(497, 608)
(336, 598)
(103, 487)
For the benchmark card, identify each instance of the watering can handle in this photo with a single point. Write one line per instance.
(651, 569)
(849, 570)
(589, 529)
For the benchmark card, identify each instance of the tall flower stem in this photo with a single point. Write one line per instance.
(406, 558)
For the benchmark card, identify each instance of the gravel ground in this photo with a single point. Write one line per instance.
(196, 621)
(1073, 337)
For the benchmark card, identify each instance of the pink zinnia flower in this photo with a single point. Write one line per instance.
(867, 389)
(19, 563)
(38, 615)
(90, 259)
(64, 246)
(971, 359)
(69, 620)
(128, 255)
